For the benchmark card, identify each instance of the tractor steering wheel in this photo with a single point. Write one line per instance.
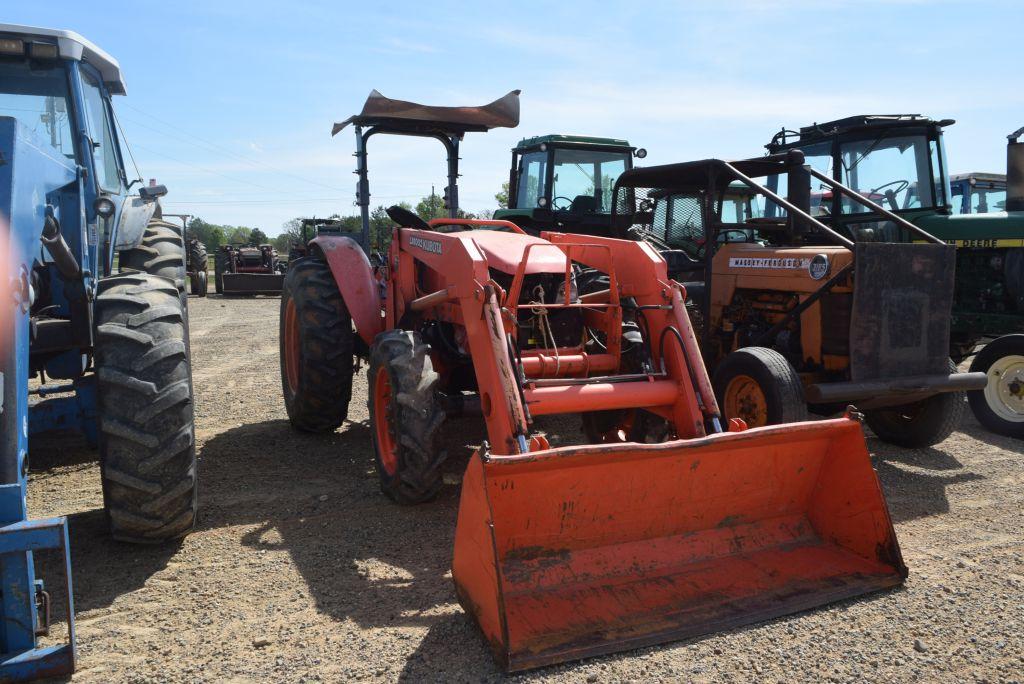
(901, 185)
(566, 199)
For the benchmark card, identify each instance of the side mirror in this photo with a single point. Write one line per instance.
(151, 192)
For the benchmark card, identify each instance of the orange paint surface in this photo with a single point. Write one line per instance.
(578, 551)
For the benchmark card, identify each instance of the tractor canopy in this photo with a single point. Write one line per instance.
(447, 125)
(402, 115)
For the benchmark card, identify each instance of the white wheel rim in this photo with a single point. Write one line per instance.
(1004, 392)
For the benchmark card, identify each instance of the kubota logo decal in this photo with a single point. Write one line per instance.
(784, 263)
(432, 246)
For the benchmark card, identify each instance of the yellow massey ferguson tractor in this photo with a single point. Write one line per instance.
(791, 313)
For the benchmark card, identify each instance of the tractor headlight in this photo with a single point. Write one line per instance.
(640, 153)
(12, 46)
(104, 207)
(542, 201)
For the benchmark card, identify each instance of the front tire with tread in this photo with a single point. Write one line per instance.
(144, 396)
(316, 337)
(412, 417)
(921, 424)
(1007, 421)
(774, 377)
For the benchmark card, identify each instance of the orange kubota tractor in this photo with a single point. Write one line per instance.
(578, 550)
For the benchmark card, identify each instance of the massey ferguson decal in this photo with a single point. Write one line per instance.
(432, 246)
(783, 263)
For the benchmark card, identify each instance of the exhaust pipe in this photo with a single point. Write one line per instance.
(1015, 171)
(58, 248)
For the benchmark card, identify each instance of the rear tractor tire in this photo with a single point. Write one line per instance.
(316, 340)
(220, 267)
(144, 388)
(405, 417)
(1000, 406)
(921, 424)
(759, 386)
(198, 263)
(200, 289)
(161, 253)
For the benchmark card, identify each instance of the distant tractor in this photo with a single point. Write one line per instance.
(899, 160)
(565, 183)
(196, 263)
(311, 228)
(977, 192)
(241, 269)
(793, 315)
(84, 344)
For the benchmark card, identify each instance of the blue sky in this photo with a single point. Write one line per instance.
(230, 104)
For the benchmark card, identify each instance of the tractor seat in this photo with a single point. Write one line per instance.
(406, 219)
(584, 204)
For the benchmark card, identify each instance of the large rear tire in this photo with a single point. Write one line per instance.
(405, 417)
(161, 253)
(197, 264)
(220, 266)
(1000, 406)
(201, 284)
(144, 388)
(759, 386)
(921, 424)
(316, 340)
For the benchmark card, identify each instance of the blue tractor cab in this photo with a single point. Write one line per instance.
(93, 323)
(977, 192)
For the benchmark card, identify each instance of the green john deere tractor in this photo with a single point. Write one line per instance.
(899, 162)
(566, 182)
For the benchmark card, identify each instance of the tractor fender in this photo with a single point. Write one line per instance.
(135, 215)
(354, 276)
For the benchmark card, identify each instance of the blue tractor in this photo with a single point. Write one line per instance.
(93, 323)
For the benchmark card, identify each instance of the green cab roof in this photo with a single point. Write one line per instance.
(555, 139)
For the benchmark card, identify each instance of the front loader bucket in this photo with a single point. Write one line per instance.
(253, 283)
(579, 551)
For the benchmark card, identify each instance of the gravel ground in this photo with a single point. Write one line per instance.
(300, 570)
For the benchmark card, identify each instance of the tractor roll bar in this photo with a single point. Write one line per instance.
(789, 206)
(446, 124)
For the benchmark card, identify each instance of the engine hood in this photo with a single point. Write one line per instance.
(505, 251)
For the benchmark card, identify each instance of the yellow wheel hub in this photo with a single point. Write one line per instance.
(745, 399)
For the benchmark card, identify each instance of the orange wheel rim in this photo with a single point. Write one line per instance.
(385, 442)
(291, 346)
(745, 399)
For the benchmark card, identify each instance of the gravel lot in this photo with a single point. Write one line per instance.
(300, 570)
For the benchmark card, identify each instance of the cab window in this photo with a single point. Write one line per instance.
(98, 122)
(585, 179)
(533, 170)
(679, 222)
